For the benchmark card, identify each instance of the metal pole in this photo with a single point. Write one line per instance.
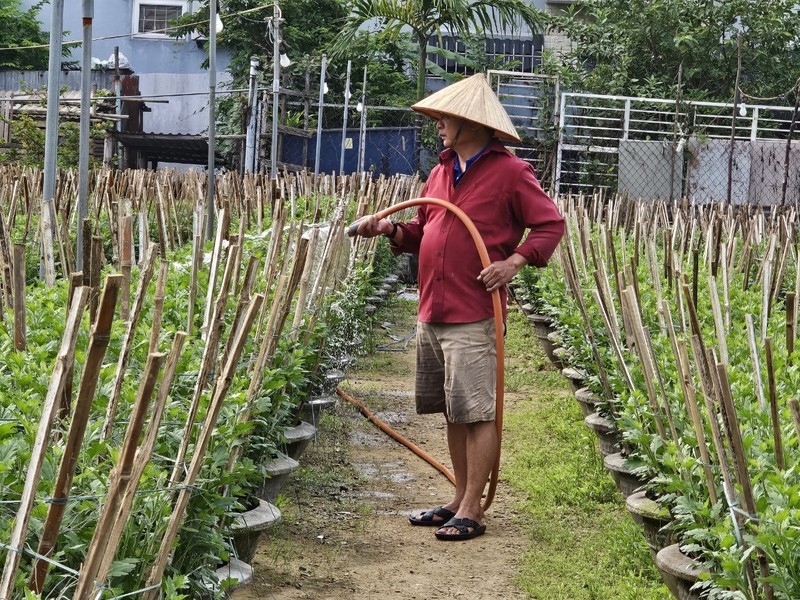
(319, 112)
(276, 86)
(212, 114)
(85, 140)
(344, 117)
(51, 139)
(252, 118)
(362, 137)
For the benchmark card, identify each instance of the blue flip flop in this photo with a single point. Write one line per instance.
(463, 525)
(426, 519)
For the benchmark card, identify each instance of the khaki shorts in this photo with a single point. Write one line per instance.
(457, 370)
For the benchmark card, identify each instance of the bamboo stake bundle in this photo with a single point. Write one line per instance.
(740, 465)
(681, 355)
(98, 344)
(145, 275)
(220, 391)
(209, 354)
(631, 307)
(575, 286)
(709, 382)
(65, 358)
(119, 481)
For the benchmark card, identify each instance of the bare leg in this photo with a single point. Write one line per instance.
(479, 455)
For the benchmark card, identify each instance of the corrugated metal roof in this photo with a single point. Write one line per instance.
(169, 147)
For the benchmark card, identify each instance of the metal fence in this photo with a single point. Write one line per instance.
(662, 149)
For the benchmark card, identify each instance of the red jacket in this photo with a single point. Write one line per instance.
(501, 195)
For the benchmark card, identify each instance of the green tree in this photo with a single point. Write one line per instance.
(636, 47)
(425, 18)
(18, 29)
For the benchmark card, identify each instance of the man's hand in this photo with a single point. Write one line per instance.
(499, 273)
(370, 227)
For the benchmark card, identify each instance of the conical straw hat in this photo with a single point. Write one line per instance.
(471, 99)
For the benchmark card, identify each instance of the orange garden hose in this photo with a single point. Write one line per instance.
(498, 332)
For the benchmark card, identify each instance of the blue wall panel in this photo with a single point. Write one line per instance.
(388, 150)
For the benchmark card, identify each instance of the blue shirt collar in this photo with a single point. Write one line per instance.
(457, 172)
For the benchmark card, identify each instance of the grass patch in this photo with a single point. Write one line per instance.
(584, 545)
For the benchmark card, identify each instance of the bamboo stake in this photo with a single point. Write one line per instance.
(94, 276)
(718, 321)
(158, 305)
(222, 231)
(244, 300)
(794, 408)
(304, 280)
(6, 264)
(91, 371)
(20, 326)
(220, 391)
(773, 404)
(125, 267)
(66, 356)
(119, 481)
(791, 318)
(751, 338)
(145, 275)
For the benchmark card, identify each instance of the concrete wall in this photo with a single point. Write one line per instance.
(166, 67)
(116, 18)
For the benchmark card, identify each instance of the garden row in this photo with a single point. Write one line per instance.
(147, 400)
(677, 325)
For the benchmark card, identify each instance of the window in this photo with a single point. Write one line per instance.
(152, 19)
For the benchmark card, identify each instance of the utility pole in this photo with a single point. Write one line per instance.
(322, 85)
(252, 118)
(51, 139)
(277, 19)
(344, 117)
(214, 23)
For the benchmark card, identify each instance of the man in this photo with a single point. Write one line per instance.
(456, 353)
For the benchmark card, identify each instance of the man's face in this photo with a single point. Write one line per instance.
(448, 129)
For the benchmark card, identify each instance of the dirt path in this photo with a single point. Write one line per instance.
(345, 534)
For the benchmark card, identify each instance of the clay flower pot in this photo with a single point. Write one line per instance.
(237, 570)
(560, 357)
(587, 400)
(278, 471)
(313, 408)
(542, 325)
(297, 439)
(679, 572)
(628, 483)
(575, 377)
(608, 436)
(652, 517)
(248, 526)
